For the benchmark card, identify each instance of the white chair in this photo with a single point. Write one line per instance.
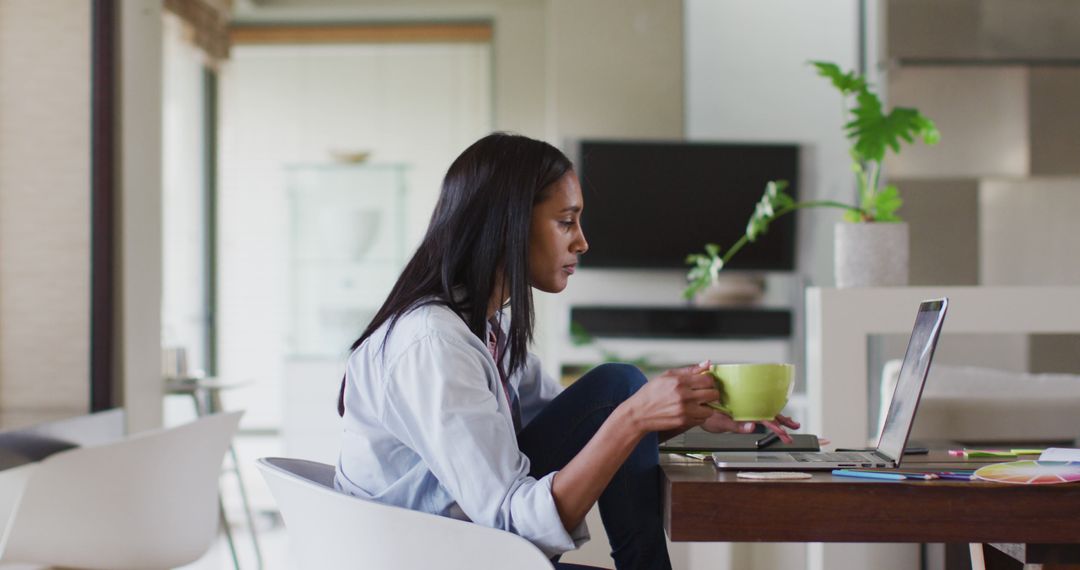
(330, 530)
(147, 501)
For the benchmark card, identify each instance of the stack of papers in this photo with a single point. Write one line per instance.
(1060, 454)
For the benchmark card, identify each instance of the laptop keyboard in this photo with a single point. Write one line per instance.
(832, 456)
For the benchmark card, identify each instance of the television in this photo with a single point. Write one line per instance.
(648, 204)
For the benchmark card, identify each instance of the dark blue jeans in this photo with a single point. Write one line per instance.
(630, 505)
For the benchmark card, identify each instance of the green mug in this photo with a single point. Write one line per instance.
(752, 392)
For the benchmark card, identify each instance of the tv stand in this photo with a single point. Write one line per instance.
(659, 322)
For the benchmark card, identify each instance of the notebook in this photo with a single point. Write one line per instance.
(897, 426)
(697, 440)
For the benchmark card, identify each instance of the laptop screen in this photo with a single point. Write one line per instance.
(913, 371)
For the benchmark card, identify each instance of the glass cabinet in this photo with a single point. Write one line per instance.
(348, 247)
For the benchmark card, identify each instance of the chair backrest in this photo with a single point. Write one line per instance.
(329, 529)
(147, 501)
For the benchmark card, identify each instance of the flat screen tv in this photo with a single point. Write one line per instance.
(649, 204)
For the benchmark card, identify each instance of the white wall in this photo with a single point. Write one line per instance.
(44, 207)
(615, 69)
(520, 71)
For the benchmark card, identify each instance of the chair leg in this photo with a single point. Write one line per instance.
(978, 559)
(213, 406)
(228, 533)
(208, 404)
(247, 508)
(200, 410)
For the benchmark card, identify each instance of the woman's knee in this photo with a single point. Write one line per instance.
(622, 380)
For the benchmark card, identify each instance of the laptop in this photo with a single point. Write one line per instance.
(898, 421)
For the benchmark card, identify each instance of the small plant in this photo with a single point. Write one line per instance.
(872, 133)
(579, 336)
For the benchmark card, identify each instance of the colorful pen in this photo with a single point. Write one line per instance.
(869, 474)
(907, 474)
(967, 453)
(956, 476)
(916, 475)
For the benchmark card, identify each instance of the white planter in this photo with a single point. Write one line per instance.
(871, 254)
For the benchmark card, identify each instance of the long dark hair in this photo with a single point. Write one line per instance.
(480, 227)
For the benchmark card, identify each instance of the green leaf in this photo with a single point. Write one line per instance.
(578, 335)
(884, 204)
(852, 216)
(706, 267)
(928, 130)
(845, 82)
(784, 201)
(765, 211)
(705, 270)
(872, 131)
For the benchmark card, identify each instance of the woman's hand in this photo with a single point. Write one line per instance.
(674, 400)
(719, 422)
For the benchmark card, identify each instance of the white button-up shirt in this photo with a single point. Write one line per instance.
(428, 427)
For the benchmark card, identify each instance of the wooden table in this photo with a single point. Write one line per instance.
(702, 503)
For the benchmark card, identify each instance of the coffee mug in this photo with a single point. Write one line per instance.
(752, 392)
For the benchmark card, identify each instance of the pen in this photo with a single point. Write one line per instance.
(916, 475)
(967, 453)
(907, 474)
(869, 475)
(768, 439)
(956, 476)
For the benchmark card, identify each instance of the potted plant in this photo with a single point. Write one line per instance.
(872, 248)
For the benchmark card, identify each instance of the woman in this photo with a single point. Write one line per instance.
(447, 412)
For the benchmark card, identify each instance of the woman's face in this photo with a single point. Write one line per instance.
(555, 236)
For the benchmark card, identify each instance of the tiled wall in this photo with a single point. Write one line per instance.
(995, 203)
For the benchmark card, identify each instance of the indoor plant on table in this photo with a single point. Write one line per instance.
(872, 248)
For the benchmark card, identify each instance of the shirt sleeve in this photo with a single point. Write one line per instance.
(536, 389)
(441, 402)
